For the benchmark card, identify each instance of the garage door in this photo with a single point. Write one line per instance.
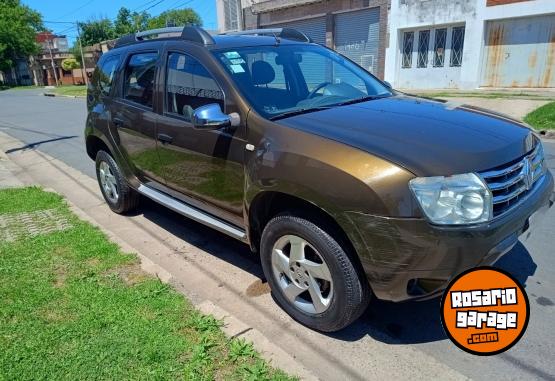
(357, 36)
(520, 53)
(314, 28)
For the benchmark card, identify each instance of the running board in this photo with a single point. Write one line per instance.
(192, 213)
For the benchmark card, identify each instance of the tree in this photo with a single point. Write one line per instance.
(130, 22)
(95, 31)
(69, 64)
(18, 27)
(76, 51)
(177, 17)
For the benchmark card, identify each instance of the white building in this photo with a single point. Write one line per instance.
(355, 28)
(468, 44)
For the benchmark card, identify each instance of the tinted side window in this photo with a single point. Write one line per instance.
(189, 86)
(139, 78)
(105, 74)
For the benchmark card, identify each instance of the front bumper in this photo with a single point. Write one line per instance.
(408, 258)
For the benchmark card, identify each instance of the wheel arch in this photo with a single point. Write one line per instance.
(94, 144)
(268, 204)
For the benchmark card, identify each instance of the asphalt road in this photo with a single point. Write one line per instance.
(55, 126)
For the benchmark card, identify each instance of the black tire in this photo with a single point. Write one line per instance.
(351, 293)
(128, 198)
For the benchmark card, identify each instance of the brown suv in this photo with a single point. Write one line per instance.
(345, 187)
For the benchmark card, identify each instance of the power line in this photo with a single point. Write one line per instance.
(75, 10)
(152, 6)
(143, 5)
(67, 30)
(180, 5)
(58, 22)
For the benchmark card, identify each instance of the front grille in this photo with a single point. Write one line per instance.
(510, 184)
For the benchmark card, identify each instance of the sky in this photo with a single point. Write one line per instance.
(82, 10)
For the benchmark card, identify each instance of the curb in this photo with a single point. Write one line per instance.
(547, 134)
(233, 326)
(63, 96)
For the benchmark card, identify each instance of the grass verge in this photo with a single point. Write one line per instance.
(485, 94)
(542, 118)
(70, 90)
(6, 87)
(73, 306)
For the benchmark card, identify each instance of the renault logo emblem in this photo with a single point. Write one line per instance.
(528, 176)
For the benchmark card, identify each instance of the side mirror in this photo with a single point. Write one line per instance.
(210, 117)
(388, 85)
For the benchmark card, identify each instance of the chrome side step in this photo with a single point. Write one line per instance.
(193, 213)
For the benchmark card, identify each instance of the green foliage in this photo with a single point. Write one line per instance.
(239, 348)
(130, 22)
(204, 323)
(69, 64)
(95, 31)
(176, 17)
(18, 27)
(76, 51)
(74, 307)
(542, 118)
(71, 90)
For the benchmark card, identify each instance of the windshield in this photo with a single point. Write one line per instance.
(285, 80)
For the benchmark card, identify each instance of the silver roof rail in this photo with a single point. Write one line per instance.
(170, 30)
(188, 33)
(287, 33)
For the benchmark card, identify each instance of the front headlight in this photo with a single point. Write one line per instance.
(453, 200)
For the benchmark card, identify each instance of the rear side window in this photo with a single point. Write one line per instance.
(189, 85)
(138, 85)
(105, 74)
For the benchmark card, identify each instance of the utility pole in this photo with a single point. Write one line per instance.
(48, 42)
(83, 67)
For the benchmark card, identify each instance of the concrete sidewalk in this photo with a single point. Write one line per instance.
(516, 103)
(7, 169)
(221, 277)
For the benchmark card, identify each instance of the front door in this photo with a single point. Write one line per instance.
(133, 118)
(203, 168)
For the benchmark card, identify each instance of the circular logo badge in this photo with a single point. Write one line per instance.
(485, 311)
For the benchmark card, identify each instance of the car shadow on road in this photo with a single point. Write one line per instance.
(41, 142)
(388, 322)
(213, 242)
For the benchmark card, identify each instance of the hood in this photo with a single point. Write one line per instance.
(427, 137)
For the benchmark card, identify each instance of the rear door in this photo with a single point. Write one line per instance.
(133, 117)
(202, 168)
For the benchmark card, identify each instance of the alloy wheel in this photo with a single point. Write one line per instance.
(302, 274)
(108, 182)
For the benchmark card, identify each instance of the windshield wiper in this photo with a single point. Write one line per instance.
(298, 112)
(361, 99)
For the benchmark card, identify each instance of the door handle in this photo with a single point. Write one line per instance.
(117, 122)
(165, 139)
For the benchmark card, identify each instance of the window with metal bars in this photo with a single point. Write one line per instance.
(439, 47)
(408, 40)
(457, 46)
(231, 12)
(423, 43)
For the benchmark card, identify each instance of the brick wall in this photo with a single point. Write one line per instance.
(491, 3)
(325, 8)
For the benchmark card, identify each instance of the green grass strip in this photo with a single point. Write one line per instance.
(74, 307)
